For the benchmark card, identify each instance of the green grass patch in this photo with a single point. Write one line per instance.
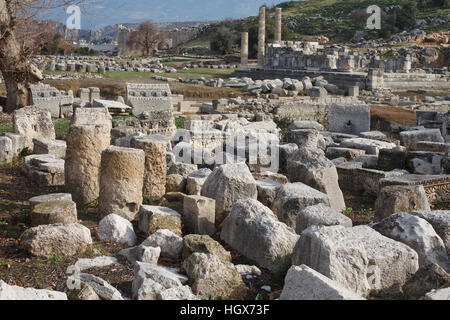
(200, 42)
(61, 128)
(179, 122)
(6, 127)
(433, 29)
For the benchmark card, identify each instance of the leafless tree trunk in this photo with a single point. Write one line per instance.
(145, 38)
(17, 46)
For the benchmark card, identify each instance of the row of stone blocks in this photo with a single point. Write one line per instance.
(79, 67)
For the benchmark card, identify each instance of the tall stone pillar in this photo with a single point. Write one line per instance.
(89, 134)
(278, 16)
(262, 36)
(154, 147)
(244, 50)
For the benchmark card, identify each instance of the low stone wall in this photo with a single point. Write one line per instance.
(354, 179)
(312, 109)
(415, 81)
(437, 187)
(342, 79)
(398, 81)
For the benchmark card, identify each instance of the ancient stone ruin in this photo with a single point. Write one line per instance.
(305, 187)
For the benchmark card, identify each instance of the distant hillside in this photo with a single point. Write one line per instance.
(109, 33)
(336, 19)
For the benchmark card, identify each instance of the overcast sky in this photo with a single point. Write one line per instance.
(107, 12)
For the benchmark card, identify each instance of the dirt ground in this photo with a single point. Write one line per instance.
(17, 267)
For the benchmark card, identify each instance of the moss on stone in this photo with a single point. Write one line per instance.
(195, 243)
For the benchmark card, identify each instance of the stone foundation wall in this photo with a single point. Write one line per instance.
(342, 79)
(415, 81)
(312, 109)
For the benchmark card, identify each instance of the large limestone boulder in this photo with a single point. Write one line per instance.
(84, 293)
(171, 244)
(121, 181)
(8, 292)
(419, 235)
(154, 218)
(194, 243)
(254, 231)
(394, 261)
(396, 199)
(150, 280)
(59, 211)
(63, 240)
(116, 229)
(101, 287)
(292, 198)
(320, 215)
(336, 253)
(196, 180)
(176, 293)
(214, 277)
(311, 167)
(183, 169)
(442, 294)
(227, 184)
(267, 191)
(304, 283)
(33, 122)
(428, 278)
(411, 138)
(372, 147)
(306, 138)
(142, 254)
(440, 220)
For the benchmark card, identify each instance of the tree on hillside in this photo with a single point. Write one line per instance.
(54, 43)
(146, 38)
(223, 41)
(19, 39)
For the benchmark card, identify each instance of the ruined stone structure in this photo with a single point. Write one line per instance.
(46, 97)
(336, 64)
(153, 104)
(123, 35)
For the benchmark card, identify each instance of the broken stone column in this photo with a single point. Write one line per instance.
(89, 134)
(155, 165)
(199, 214)
(278, 16)
(121, 181)
(262, 36)
(244, 50)
(33, 122)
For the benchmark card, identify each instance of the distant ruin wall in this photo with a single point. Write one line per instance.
(415, 81)
(342, 79)
(181, 36)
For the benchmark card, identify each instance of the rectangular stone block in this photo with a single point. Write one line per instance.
(410, 138)
(6, 149)
(199, 214)
(352, 119)
(149, 97)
